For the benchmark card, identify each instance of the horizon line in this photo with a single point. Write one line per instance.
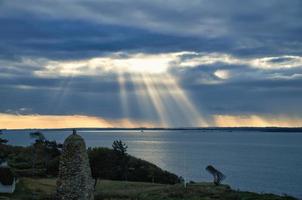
(157, 128)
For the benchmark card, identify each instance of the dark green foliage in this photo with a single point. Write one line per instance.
(121, 166)
(41, 159)
(37, 135)
(3, 141)
(217, 175)
(52, 168)
(119, 147)
(102, 162)
(45, 155)
(110, 164)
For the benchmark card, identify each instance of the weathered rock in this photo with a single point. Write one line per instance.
(74, 180)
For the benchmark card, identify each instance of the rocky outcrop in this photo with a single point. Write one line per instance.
(74, 180)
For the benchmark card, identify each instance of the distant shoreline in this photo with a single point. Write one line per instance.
(230, 129)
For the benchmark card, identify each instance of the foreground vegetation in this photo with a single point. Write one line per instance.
(41, 159)
(29, 188)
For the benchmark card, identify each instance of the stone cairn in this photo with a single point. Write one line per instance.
(74, 180)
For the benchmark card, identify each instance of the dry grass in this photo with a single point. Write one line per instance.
(44, 189)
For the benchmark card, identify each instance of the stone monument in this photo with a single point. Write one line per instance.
(74, 179)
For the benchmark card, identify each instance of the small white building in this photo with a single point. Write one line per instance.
(7, 179)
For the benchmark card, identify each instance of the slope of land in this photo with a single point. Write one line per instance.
(29, 188)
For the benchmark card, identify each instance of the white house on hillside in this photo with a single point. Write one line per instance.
(7, 179)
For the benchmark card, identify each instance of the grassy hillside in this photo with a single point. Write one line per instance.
(117, 190)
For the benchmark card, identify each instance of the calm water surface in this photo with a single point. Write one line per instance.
(253, 161)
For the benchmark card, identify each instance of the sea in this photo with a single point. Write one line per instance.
(257, 161)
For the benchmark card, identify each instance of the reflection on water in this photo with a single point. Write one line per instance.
(254, 161)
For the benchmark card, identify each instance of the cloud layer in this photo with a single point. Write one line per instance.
(87, 58)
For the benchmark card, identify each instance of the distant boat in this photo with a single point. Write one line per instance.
(142, 130)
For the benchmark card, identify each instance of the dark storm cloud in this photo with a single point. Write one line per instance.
(72, 29)
(93, 96)
(33, 33)
(62, 102)
(70, 39)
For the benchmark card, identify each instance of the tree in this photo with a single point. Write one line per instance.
(38, 136)
(39, 139)
(217, 175)
(103, 162)
(120, 147)
(51, 152)
(2, 141)
(2, 154)
(45, 152)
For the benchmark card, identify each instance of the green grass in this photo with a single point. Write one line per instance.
(44, 189)
(28, 188)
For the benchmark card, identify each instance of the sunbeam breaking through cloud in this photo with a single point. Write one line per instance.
(172, 105)
(154, 86)
(123, 94)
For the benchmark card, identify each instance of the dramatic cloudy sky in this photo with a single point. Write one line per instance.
(173, 63)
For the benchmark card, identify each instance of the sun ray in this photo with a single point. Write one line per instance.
(123, 94)
(181, 117)
(146, 107)
(169, 101)
(155, 99)
(188, 108)
(59, 95)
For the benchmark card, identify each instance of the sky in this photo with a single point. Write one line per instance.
(141, 63)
